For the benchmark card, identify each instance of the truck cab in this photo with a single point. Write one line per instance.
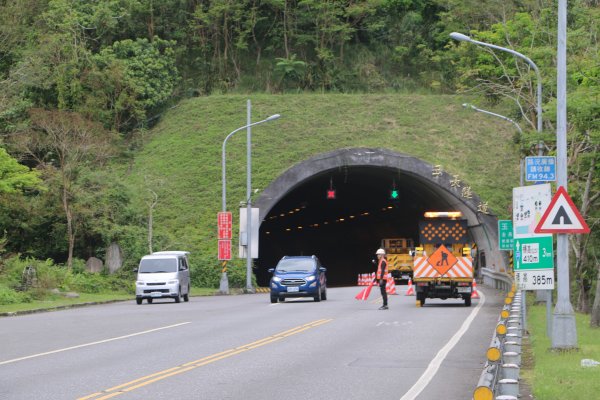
(399, 254)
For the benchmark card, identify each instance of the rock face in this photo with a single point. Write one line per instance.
(94, 264)
(114, 258)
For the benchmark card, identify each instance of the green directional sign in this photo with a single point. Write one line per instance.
(505, 234)
(533, 253)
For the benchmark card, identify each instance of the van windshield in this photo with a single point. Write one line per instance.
(157, 265)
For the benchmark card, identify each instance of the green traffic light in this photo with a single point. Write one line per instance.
(394, 194)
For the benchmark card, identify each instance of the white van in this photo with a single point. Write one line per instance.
(163, 274)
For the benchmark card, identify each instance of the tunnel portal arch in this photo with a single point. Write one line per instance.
(414, 177)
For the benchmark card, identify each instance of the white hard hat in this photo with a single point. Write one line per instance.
(380, 251)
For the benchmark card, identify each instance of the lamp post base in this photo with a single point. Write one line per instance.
(564, 331)
(224, 284)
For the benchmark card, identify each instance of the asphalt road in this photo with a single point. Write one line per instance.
(244, 347)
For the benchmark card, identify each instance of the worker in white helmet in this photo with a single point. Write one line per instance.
(382, 273)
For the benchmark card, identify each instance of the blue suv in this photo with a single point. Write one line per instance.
(298, 276)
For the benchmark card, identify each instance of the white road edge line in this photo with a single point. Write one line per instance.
(91, 344)
(434, 365)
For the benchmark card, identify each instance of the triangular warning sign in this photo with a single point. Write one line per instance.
(562, 216)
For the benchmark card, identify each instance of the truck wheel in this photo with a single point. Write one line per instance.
(139, 300)
(467, 301)
(421, 298)
(149, 301)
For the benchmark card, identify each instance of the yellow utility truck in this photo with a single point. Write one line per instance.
(443, 267)
(400, 257)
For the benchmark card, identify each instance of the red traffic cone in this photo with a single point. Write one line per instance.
(364, 294)
(411, 290)
(474, 294)
(390, 286)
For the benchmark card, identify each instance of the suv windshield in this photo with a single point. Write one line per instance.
(296, 265)
(155, 265)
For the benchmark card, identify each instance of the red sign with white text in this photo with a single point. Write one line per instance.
(224, 249)
(224, 225)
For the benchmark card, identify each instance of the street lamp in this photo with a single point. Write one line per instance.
(464, 38)
(224, 285)
(564, 325)
(467, 105)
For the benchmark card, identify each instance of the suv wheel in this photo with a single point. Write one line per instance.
(138, 300)
(318, 295)
(273, 299)
(324, 295)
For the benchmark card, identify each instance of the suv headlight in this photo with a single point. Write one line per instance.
(276, 279)
(310, 278)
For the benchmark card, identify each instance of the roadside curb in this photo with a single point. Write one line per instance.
(57, 308)
(95, 303)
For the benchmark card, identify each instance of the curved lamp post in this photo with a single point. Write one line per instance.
(464, 38)
(224, 285)
(472, 107)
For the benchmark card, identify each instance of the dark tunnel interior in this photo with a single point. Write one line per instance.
(344, 232)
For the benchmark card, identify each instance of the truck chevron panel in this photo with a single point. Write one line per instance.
(462, 269)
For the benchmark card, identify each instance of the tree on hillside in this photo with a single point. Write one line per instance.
(63, 142)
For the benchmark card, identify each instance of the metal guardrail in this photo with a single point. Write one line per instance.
(500, 376)
(497, 280)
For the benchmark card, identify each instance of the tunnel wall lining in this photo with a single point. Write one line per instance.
(483, 227)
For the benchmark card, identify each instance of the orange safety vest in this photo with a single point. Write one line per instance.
(383, 262)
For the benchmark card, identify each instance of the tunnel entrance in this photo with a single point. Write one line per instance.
(298, 218)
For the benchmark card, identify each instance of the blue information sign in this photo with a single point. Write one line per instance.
(540, 169)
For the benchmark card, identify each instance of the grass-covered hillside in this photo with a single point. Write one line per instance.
(181, 157)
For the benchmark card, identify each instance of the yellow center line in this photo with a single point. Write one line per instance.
(157, 376)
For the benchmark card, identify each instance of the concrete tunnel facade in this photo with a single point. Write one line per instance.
(297, 219)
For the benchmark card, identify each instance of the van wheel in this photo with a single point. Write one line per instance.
(178, 297)
(149, 301)
(139, 301)
(186, 297)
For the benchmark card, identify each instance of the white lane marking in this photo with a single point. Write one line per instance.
(434, 365)
(91, 344)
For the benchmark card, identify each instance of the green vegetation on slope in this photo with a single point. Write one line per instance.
(181, 159)
(559, 375)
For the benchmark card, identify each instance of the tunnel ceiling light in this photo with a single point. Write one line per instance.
(443, 214)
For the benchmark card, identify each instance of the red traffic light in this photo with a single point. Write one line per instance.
(331, 194)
